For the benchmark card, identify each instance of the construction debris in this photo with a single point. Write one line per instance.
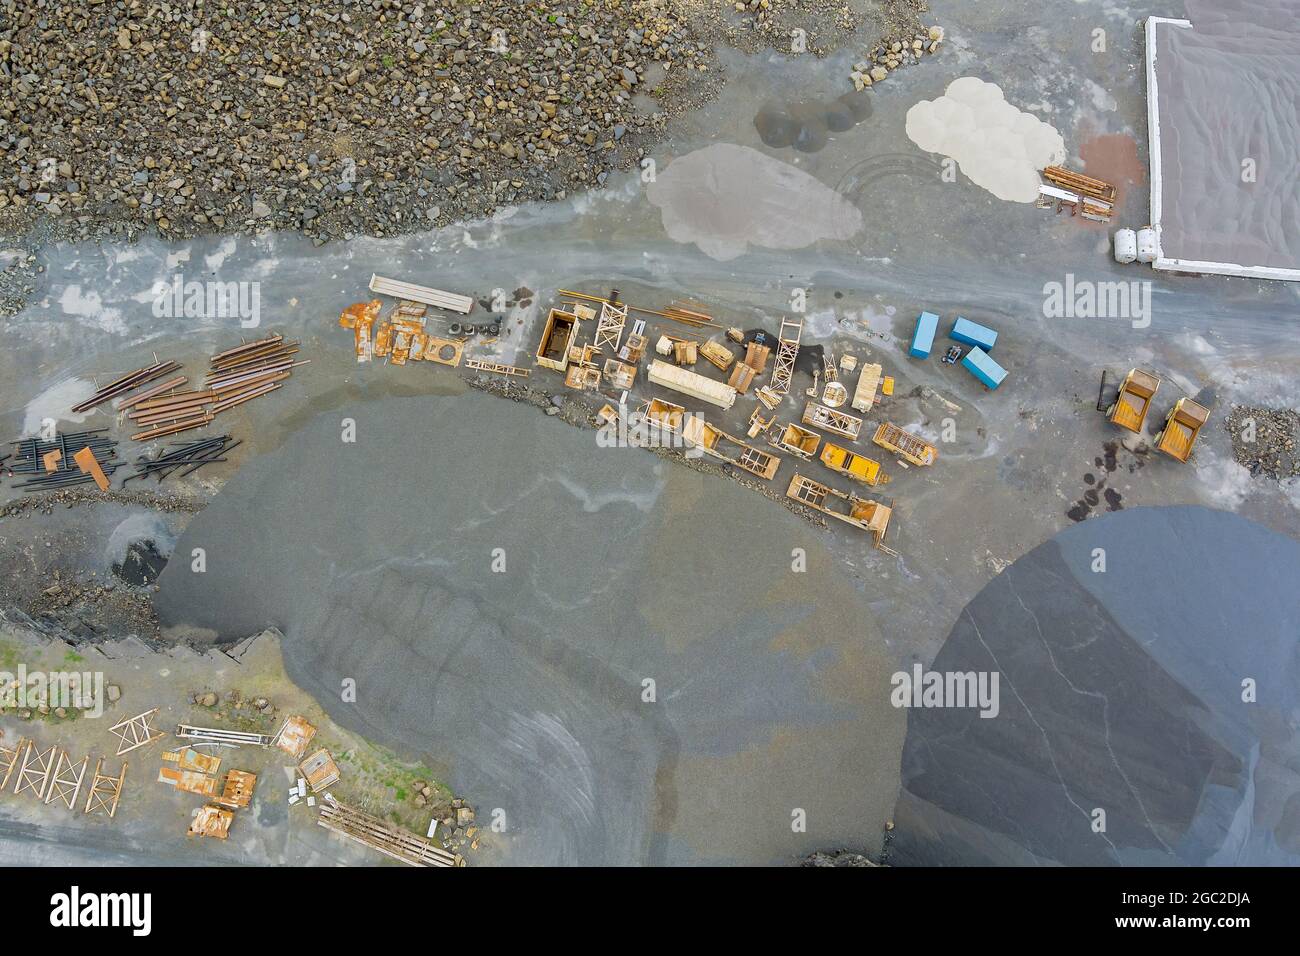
(212, 821)
(320, 770)
(832, 420)
(864, 396)
(294, 736)
(77, 458)
(218, 736)
(718, 354)
(235, 376)
(237, 791)
(871, 516)
(105, 790)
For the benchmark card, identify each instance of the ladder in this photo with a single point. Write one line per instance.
(783, 370)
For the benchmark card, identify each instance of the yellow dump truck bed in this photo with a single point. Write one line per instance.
(1181, 428)
(857, 467)
(1135, 394)
(911, 448)
(798, 441)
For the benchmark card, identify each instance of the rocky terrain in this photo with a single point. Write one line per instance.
(338, 119)
(1264, 440)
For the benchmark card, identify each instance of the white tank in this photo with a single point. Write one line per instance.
(1146, 244)
(1126, 245)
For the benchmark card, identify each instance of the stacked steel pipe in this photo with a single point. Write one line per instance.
(236, 376)
(187, 457)
(250, 370)
(30, 459)
(126, 383)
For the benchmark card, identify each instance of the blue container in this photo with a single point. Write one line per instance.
(972, 333)
(979, 364)
(923, 339)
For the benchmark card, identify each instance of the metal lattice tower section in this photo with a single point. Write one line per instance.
(609, 328)
(783, 370)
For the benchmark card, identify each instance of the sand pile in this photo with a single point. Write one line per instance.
(996, 145)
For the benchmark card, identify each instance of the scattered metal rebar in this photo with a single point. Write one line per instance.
(187, 458)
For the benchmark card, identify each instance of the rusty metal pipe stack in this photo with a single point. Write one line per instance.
(127, 383)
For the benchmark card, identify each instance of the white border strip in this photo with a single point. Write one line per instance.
(1153, 135)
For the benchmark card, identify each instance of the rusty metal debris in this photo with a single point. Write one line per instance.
(294, 736)
(212, 821)
(320, 770)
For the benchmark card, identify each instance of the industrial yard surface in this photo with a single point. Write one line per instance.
(524, 638)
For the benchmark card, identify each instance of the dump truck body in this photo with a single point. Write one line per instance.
(853, 465)
(1182, 425)
(730, 449)
(797, 441)
(1134, 400)
(557, 337)
(870, 516)
(911, 448)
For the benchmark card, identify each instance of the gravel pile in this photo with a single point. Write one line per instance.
(1264, 440)
(338, 118)
(333, 118)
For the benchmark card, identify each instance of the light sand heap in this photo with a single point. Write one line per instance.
(996, 145)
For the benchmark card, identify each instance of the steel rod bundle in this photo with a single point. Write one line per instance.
(29, 459)
(187, 458)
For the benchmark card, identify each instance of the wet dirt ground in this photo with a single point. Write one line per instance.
(1022, 463)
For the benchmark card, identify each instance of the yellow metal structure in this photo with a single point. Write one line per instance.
(797, 441)
(870, 516)
(1182, 425)
(1134, 400)
(852, 465)
(911, 448)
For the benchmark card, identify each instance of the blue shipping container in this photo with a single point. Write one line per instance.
(972, 333)
(923, 339)
(979, 364)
